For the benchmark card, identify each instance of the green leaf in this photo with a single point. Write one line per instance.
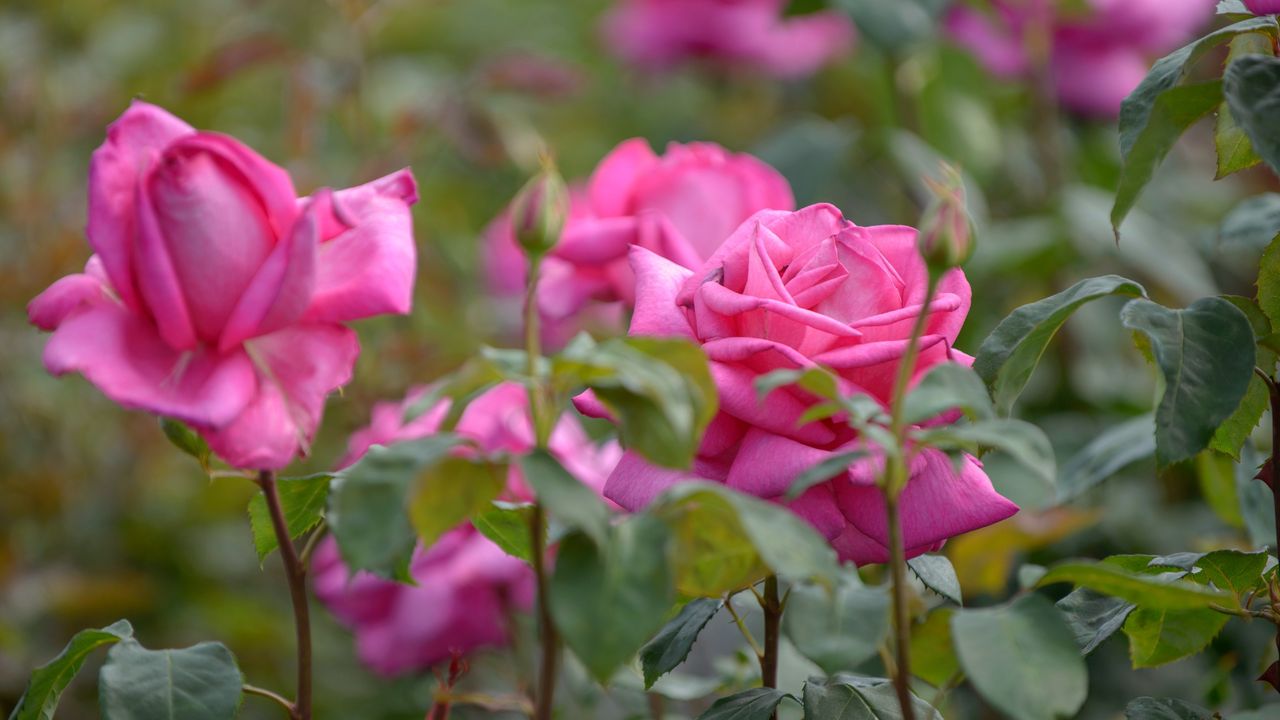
(1171, 114)
(1141, 590)
(1010, 353)
(837, 627)
(673, 642)
(1236, 429)
(476, 376)
(1206, 355)
(1023, 442)
(450, 492)
(1252, 87)
(48, 681)
(933, 655)
(1216, 474)
(1104, 456)
(1235, 152)
(302, 499)
(1231, 570)
(659, 389)
(948, 386)
(1252, 224)
(1023, 658)
(186, 440)
(1269, 281)
(368, 504)
(1148, 708)
(937, 574)
(607, 600)
(1157, 637)
(849, 697)
(1232, 7)
(714, 554)
(201, 682)
(509, 526)
(564, 496)
(822, 472)
(782, 542)
(1093, 617)
(754, 704)
(894, 26)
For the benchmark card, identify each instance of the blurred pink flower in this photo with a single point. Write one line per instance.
(1263, 7)
(796, 290)
(1098, 57)
(658, 34)
(681, 205)
(217, 296)
(467, 586)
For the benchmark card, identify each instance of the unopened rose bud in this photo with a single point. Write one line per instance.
(1263, 7)
(539, 211)
(946, 232)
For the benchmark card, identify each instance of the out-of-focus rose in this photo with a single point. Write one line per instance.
(681, 205)
(1263, 7)
(795, 290)
(1097, 57)
(216, 295)
(659, 34)
(467, 587)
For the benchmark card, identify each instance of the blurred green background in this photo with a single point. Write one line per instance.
(101, 519)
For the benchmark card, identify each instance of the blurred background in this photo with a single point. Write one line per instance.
(101, 519)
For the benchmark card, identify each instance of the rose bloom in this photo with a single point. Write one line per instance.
(659, 34)
(216, 295)
(796, 290)
(1263, 7)
(681, 205)
(1098, 58)
(467, 587)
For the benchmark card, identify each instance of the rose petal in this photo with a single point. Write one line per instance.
(50, 308)
(658, 282)
(767, 464)
(611, 184)
(634, 483)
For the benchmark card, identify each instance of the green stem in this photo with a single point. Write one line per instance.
(296, 573)
(273, 697)
(772, 607)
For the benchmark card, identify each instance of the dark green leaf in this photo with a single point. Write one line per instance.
(201, 682)
(1157, 637)
(1206, 355)
(43, 692)
(509, 527)
(672, 644)
(1010, 353)
(1171, 114)
(1252, 87)
(849, 697)
(1107, 454)
(186, 440)
(1235, 152)
(564, 496)
(608, 600)
(837, 627)
(368, 504)
(753, 704)
(1252, 224)
(1023, 442)
(937, 574)
(1146, 708)
(451, 491)
(1093, 617)
(302, 499)
(1023, 658)
(896, 25)
(948, 386)
(1139, 589)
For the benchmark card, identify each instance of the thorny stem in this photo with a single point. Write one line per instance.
(772, 607)
(296, 573)
(1275, 496)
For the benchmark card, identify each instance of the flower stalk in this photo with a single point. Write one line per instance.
(296, 573)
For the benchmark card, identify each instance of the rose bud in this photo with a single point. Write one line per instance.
(946, 232)
(539, 211)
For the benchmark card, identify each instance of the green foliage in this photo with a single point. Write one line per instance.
(1023, 658)
(1011, 352)
(1231, 570)
(1093, 617)
(933, 654)
(672, 644)
(1253, 223)
(1252, 86)
(837, 627)
(450, 491)
(753, 704)
(1023, 442)
(608, 599)
(1235, 151)
(1139, 589)
(40, 700)
(1111, 451)
(509, 526)
(892, 27)
(201, 682)
(1206, 355)
(186, 440)
(948, 386)
(1157, 637)
(848, 697)
(564, 496)
(937, 574)
(1269, 282)
(1147, 708)
(303, 501)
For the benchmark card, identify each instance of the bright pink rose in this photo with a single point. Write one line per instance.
(658, 34)
(467, 587)
(1098, 58)
(681, 205)
(216, 295)
(796, 290)
(1263, 7)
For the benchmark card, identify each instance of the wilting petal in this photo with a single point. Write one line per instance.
(611, 184)
(298, 368)
(658, 282)
(369, 269)
(133, 142)
(635, 482)
(123, 356)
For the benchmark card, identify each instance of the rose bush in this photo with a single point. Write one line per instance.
(467, 586)
(796, 290)
(216, 295)
(681, 204)
(1097, 57)
(658, 34)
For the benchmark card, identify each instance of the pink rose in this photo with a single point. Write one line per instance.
(1263, 7)
(1097, 58)
(796, 290)
(216, 295)
(658, 34)
(681, 205)
(467, 586)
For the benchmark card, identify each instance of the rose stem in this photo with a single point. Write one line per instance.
(1275, 496)
(772, 607)
(296, 574)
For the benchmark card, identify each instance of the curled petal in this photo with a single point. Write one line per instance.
(658, 281)
(50, 308)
